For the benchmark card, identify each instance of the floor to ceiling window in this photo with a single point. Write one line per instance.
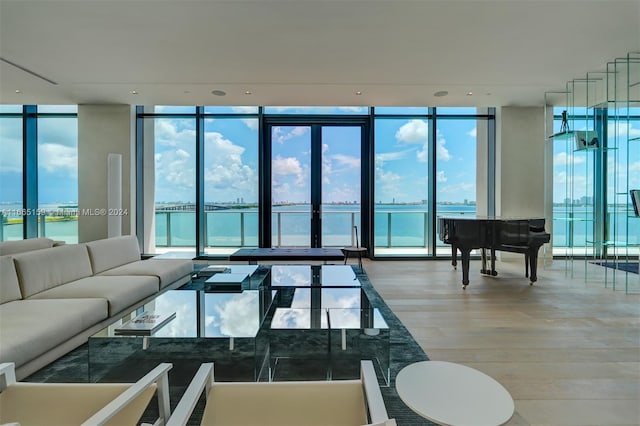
(50, 133)
(230, 179)
(320, 179)
(174, 137)
(425, 167)
(401, 181)
(456, 148)
(58, 172)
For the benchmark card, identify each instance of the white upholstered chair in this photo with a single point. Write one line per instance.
(70, 404)
(299, 403)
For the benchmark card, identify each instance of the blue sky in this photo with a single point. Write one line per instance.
(231, 159)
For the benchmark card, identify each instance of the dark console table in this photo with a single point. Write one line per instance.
(253, 255)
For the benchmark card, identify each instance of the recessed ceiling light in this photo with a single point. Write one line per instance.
(358, 93)
(187, 91)
(247, 92)
(219, 92)
(133, 92)
(441, 93)
(469, 93)
(18, 91)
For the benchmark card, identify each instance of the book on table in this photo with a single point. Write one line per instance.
(145, 324)
(209, 270)
(224, 281)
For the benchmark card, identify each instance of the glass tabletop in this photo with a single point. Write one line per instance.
(203, 314)
(313, 275)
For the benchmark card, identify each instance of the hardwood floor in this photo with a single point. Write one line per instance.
(567, 350)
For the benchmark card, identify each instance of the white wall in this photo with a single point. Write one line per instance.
(102, 129)
(520, 165)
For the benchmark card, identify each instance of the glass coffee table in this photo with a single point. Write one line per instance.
(287, 322)
(333, 329)
(224, 328)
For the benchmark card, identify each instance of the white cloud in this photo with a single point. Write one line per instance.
(244, 109)
(172, 132)
(392, 156)
(344, 192)
(458, 188)
(622, 130)
(442, 153)
(422, 155)
(579, 183)
(239, 316)
(473, 132)
(286, 166)
(251, 123)
(280, 136)
(563, 159)
(175, 177)
(58, 132)
(346, 160)
(11, 158)
(58, 159)
(415, 131)
(361, 110)
(388, 185)
(441, 177)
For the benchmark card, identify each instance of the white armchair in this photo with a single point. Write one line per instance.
(68, 404)
(299, 403)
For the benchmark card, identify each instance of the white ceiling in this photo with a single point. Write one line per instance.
(307, 52)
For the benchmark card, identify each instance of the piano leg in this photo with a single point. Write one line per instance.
(493, 263)
(454, 256)
(466, 255)
(484, 269)
(483, 257)
(533, 264)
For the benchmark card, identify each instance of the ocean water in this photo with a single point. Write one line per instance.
(395, 226)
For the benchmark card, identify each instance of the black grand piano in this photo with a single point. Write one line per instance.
(516, 235)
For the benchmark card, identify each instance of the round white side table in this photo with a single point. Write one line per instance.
(453, 394)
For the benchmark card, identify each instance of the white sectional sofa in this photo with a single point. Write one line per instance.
(21, 246)
(52, 299)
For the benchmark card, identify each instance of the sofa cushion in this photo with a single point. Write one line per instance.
(44, 269)
(21, 246)
(113, 252)
(9, 287)
(29, 328)
(167, 270)
(121, 292)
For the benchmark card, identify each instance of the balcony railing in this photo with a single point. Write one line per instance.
(57, 225)
(393, 229)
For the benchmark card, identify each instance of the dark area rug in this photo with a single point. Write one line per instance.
(621, 266)
(73, 367)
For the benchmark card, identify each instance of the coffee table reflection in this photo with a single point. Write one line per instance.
(219, 327)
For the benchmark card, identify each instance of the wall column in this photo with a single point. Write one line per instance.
(103, 129)
(520, 165)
